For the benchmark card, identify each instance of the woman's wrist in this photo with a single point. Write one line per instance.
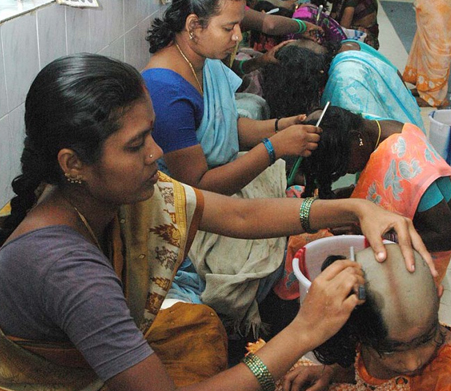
(309, 338)
(336, 213)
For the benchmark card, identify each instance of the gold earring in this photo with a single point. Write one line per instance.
(151, 155)
(191, 35)
(73, 180)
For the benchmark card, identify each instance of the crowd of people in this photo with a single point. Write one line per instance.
(152, 217)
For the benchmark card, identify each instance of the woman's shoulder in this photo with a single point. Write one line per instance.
(49, 245)
(163, 82)
(162, 76)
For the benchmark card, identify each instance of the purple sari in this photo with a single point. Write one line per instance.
(332, 29)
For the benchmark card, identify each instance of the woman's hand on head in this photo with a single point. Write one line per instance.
(376, 221)
(297, 140)
(308, 378)
(331, 293)
(270, 56)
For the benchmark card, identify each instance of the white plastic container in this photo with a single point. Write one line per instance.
(439, 132)
(308, 259)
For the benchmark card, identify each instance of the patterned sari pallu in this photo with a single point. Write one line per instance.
(156, 235)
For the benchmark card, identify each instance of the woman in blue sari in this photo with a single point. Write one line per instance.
(355, 77)
(201, 133)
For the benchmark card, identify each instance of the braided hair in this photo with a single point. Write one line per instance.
(75, 102)
(162, 31)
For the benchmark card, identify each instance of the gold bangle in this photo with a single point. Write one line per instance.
(260, 371)
(304, 214)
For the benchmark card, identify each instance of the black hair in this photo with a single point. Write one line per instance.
(75, 102)
(162, 31)
(263, 5)
(364, 326)
(331, 159)
(294, 85)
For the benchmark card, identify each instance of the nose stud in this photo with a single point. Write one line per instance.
(151, 155)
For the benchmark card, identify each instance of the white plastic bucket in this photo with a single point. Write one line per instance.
(308, 259)
(439, 132)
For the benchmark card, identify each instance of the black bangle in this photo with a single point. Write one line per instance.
(276, 124)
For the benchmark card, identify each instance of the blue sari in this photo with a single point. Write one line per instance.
(360, 82)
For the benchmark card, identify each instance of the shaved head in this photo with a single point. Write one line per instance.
(404, 299)
(400, 310)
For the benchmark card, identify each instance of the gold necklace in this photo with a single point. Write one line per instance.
(88, 227)
(379, 136)
(191, 66)
(86, 224)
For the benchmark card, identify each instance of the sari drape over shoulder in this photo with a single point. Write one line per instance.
(362, 83)
(234, 270)
(149, 240)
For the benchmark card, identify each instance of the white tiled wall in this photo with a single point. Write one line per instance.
(31, 41)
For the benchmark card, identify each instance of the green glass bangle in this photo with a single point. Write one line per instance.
(240, 67)
(304, 214)
(260, 371)
(302, 26)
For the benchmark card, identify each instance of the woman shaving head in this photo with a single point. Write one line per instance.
(397, 327)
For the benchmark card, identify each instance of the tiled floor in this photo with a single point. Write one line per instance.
(393, 47)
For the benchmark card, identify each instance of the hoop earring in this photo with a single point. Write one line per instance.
(73, 180)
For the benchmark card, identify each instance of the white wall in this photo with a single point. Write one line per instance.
(31, 41)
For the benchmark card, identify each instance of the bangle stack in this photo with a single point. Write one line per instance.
(302, 26)
(240, 67)
(304, 214)
(260, 371)
(272, 154)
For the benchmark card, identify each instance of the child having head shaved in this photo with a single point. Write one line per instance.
(394, 341)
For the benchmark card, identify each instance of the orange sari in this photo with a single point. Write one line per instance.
(398, 173)
(429, 60)
(436, 376)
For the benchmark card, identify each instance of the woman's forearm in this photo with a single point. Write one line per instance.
(268, 24)
(262, 218)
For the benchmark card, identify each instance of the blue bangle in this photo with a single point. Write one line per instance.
(302, 26)
(272, 154)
